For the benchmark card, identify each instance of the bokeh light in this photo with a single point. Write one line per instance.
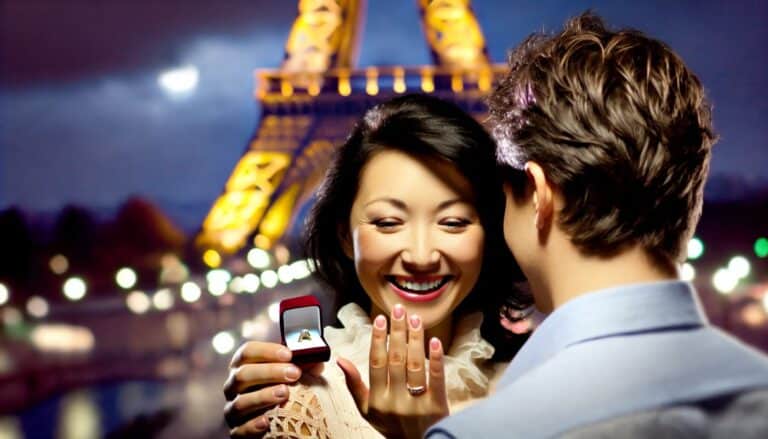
(269, 278)
(212, 258)
(739, 266)
(258, 258)
(163, 299)
(190, 292)
(274, 312)
(138, 302)
(285, 274)
(75, 288)
(223, 342)
(695, 248)
(761, 247)
(126, 278)
(724, 281)
(251, 283)
(59, 264)
(5, 295)
(687, 272)
(37, 307)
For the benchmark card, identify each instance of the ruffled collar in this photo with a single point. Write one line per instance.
(467, 372)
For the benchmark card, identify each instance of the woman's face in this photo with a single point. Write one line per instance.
(416, 235)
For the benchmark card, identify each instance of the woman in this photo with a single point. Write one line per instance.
(407, 223)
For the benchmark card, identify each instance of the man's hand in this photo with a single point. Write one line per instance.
(258, 374)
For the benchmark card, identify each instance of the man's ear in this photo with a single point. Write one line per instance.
(543, 197)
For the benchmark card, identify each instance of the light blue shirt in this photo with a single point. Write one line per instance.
(607, 354)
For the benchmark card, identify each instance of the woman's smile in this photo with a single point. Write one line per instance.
(419, 289)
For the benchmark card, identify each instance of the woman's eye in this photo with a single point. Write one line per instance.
(455, 223)
(386, 223)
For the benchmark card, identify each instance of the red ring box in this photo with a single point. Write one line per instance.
(299, 314)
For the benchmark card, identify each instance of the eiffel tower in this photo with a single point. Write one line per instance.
(309, 105)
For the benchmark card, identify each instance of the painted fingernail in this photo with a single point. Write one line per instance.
(380, 321)
(415, 321)
(398, 311)
(292, 372)
(280, 392)
(284, 354)
(434, 343)
(261, 422)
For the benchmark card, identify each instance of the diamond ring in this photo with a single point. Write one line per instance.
(416, 390)
(305, 335)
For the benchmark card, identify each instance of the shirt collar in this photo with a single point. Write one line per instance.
(610, 312)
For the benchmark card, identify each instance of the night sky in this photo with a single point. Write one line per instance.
(84, 121)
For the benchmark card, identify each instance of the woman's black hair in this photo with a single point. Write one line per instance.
(430, 129)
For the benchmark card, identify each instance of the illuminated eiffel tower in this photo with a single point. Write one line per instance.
(309, 105)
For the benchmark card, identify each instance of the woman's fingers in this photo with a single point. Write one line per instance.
(377, 365)
(260, 352)
(415, 357)
(355, 383)
(249, 375)
(437, 374)
(245, 405)
(397, 350)
(254, 428)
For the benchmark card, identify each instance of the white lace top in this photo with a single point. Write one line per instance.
(323, 407)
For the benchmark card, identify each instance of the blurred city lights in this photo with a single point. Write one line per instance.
(180, 80)
(250, 283)
(217, 288)
(12, 316)
(173, 271)
(282, 254)
(80, 417)
(695, 248)
(62, 338)
(126, 278)
(274, 312)
(269, 278)
(218, 276)
(212, 258)
(37, 307)
(10, 427)
(724, 281)
(285, 274)
(753, 315)
(163, 299)
(4, 294)
(59, 264)
(258, 258)
(74, 288)
(739, 266)
(300, 269)
(765, 300)
(223, 342)
(190, 292)
(687, 272)
(761, 247)
(138, 302)
(236, 285)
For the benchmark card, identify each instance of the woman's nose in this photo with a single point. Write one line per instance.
(421, 254)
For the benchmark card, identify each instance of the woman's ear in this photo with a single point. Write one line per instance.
(543, 197)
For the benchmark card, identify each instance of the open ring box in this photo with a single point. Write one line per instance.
(301, 329)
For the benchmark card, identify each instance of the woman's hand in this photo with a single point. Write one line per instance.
(257, 379)
(399, 403)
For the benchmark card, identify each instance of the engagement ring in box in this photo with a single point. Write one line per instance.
(301, 329)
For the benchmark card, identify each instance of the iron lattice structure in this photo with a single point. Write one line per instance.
(309, 105)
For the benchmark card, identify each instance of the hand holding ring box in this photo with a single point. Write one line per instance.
(301, 329)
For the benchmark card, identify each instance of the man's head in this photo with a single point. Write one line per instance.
(617, 125)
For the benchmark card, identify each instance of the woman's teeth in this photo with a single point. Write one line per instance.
(419, 287)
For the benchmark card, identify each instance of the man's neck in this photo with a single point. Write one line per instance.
(573, 274)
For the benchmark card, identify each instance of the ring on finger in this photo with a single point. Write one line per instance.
(416, 390)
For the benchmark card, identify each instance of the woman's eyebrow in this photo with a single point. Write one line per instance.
(398, 203)
(448, 203)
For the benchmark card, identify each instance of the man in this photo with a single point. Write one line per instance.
(605, 142)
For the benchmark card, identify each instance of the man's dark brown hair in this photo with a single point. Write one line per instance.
(619, 124)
